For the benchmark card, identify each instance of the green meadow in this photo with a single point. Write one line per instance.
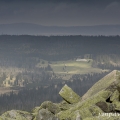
(65, 69)
(73, 67)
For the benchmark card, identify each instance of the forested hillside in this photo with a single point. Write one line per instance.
(26, 99)
(21, 55)
(50, 45)
(22, 58)
(22, 47)
(33, 65)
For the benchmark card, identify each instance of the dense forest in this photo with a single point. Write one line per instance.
(24, 50)
(27, 99)
(19, 55)
(27, 62)
(51, 45)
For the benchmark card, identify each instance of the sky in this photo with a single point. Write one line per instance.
(60, 12)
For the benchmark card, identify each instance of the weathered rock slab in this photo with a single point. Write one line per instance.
(44, 114)
(69, 95)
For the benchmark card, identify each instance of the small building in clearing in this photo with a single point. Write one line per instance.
(81, 60)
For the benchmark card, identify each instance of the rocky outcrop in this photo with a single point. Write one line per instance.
(69, 95)
(16, 115)
(101, 102)
(45, 114)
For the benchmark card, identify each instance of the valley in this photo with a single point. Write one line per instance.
(34, 68)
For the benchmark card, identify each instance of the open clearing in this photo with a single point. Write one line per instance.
(65, 69)
(73, 67)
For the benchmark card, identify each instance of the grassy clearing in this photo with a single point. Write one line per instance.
(73, 67)
(66, 69)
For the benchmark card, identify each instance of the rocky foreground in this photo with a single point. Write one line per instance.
(101, 102)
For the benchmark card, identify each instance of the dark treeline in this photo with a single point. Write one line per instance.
(25, 78)
(28, 99)
(56, 47)
(110, 61)
(25, 51)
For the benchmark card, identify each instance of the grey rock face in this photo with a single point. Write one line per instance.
(44, 114)
(16, 115)
(69, 95)
(52, 107)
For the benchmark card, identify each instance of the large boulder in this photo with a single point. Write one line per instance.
(74, 114)
(46, 110)
(84, 107)
(16, 115)
(35, 111)
(52, 107)
(115, 96)
(69, 95)
(103, 95)
(64, 105)
(44, 114)
(110, 82)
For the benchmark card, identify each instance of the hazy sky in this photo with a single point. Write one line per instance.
(60, 12)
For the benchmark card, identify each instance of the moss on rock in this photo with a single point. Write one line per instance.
(69, 95)
(117, 105)
(16, 115)
(84, 106)
(102, 84)
(65, 105)
(102, 118)
(115, 96)
(44, 114)
(52, 107)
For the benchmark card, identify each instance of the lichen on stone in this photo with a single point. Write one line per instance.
(69, 95)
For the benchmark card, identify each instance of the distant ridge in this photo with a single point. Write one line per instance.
(34, 29)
